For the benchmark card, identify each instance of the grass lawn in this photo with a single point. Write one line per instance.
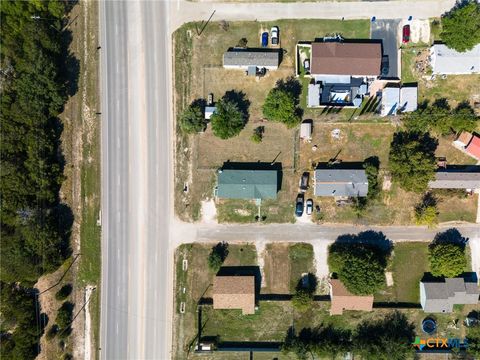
(410, 262)
(301, 261)
(269, 323)
(276, 269)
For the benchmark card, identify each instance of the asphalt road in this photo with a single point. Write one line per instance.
(387, 31)
(136, 145)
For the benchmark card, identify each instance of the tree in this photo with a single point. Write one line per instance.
(473, 338)
(388, 338)
(192, 119)
(280, 106)
(217, 256)
(426, 212)
(412, 160)
(258, 134)
(461, 26)
(441, 119)
(64, 292)
(228, 120)
(65, 314)
(447, 259)
(360, 267)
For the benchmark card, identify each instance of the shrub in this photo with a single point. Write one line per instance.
(447, 259)
(217, 256)
(192, 120)
(280, 106)
(52, 332)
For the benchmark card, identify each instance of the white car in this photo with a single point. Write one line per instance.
(274, 35)
(309, 207)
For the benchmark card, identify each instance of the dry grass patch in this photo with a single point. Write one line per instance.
(276, 269)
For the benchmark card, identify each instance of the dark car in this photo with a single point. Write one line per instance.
(406, 34)
(265, 39)
(299, 206)
(303, 183)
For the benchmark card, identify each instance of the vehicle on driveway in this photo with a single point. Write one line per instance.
(299, 205)
(309, 207)
(265, 39)
(306, 65)
(274, 35)
(406, 34)
(303, 184)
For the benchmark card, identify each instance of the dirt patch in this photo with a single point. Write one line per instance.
(276, 269)
(419, 30)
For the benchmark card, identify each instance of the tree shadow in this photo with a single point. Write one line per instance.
(426, 143)
(64, 217)
(240, 99)
(369, 238)
(292, 86)
(308, 282)
(450, 236)
(442, 104)
(221, 249)
(70, 68)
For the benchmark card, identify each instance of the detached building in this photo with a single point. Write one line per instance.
(234, 292)
(340, 183)
(250, 59)
(440, 296)
(397, 99)
(342, 299)
(247, 184)
(446, 61)
(470, 143)
(448, 179)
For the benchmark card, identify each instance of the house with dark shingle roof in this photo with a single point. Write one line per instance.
(439, 296)
(240, 58)
(234, 292)
(247, 184)
(340, 182)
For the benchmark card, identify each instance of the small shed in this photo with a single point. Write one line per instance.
(313, 95)
(209, 111)
(306, 131)
(252, 71)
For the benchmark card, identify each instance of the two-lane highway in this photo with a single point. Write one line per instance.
(136, 150)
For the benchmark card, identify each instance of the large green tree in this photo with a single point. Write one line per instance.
(473, 338)
(447, 259)
(360, 267)
(461, 26)
(228, 120)
(280, 106)
(412, 160)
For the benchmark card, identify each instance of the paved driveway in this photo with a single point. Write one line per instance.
(387, 31)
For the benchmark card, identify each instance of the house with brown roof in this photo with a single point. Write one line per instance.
(342, 299)
(341, 71)
(234, 292)
(346, 58)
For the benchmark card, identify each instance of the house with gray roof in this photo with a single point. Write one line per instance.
(247, 184)
(446, 61)
(340, 182)
(240, 58)
(450, 179)
(439, 296)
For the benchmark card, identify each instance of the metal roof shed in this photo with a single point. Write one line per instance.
(247, 184)
(408, 99)
(451, 62)
(306, 131)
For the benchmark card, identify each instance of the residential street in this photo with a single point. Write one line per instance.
(139, 231)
